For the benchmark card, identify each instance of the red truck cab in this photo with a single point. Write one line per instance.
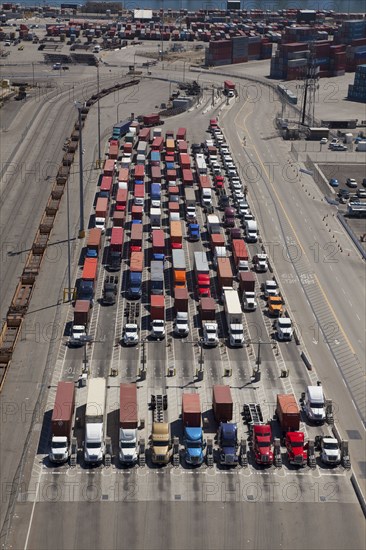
(296, 448)
(262, 444)
(219, 182)
(203, 286)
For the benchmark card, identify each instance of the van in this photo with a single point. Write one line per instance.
(314, 404)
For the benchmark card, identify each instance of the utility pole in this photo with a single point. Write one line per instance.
(79, 107)
(99, 148)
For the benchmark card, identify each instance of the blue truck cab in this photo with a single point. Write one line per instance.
(135, 284)
(194, 232)
(91, 253)
(228, 444)
(194, 445)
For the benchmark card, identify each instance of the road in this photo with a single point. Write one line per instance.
(184, 508)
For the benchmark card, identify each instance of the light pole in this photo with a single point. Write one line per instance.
(69, 297)
(117, 111)
(184, 71)
(32, 74)
(98, 105)
(79, 107)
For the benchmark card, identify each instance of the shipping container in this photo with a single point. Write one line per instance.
(137, 261)
(90, 269)
(123, 175)
(82, 311)
(128, 412)
(176, 235)
(109, 167)
(63, 410)
(181, 299)
(121, 200)
(222, 403)
(136, 237)
(288, 412)
(181, 134)
(207, 309)
(224, 273)
(93, 243)
(191, 410)
(157, 144)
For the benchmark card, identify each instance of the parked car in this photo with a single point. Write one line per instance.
(361, 193)
(333, 182)
(323, 141)
(343, 194)
(351, 182)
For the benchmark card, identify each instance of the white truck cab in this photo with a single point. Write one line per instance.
(128, 446)
(314, 404)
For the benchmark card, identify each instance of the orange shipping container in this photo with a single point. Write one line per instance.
(90, 269)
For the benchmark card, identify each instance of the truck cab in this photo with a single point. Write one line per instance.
(296, 449)
(249, 301)
(194, 445)
(260, 263)
(275, 305)
(262, 444)
(59, 451)
(128, 446)
(160, 443)
(210, 337)
(228, 443)
(158, 329)
(110, 290)
(314, 404)
(181, 327)
(330, 452)
(94, 443)
(78, 333)
(284, 329)
(194, 232)
(130, 334)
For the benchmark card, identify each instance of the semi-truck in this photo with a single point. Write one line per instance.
(155, 218)
(110, 289)
(229, 88)
(288, 415)
(260, 434)
(136, 237)
(225, 276)
(247, 289)
(93, 243)
(240, 254)
(158, 245)
(176, 235)
(135, 278)
(227, 437)
(234, 317)
(128, 424)
(213, 224)
(179, 268)
(207, 312)
(155, 195)
(94, 446)
(160, 440)
(80, 323)
(61, 422)
(121, 200)
(190, 204)
(157, 277)
(88, 280)
(193, 434)
(157, 316)
(101, 213)
(202, 272)
(251, 231)
(151, 120)
(181, 326)
(201, 166)
(120, 129)
(260, 262)
(115, 249)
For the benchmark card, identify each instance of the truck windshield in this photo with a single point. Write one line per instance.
(194, 444)
(161, 443)
(331, 446)
(128, 445)
(263, 444)
(297, 444)
(59, 445)
(317, 405)
(236, 331)
(92, 445)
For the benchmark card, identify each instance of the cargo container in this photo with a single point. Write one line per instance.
(101, 208)
(204, 181)
(61, 422)
(136, 238)
(240, 252)
(145, 134)
(157, 144)
(113, 151)
(179, 268)
(136, 212)
(90, 269)
(123, 175)
(106, 187)
(121, 200)
(158, 244)
(119, 218)
(128, 424)
(115, 249)
(234, 317)
(155, 158)
(157, 307)
(182, 147)
(94, 421)
(82, 312)
(141, 148)
(224, 273)
(181, 299)
(187, 177)
(138, 194)
(151, 120)
(176, 235)
(171, 175)
(184, 161)
(170, 146)
(139, 172)
(93, 243)
(222, 403)
(181, 134)
(288, 412)
(121, 129)
(207, 309)
(191, 410)
(109, 167)
(127, 148)
(156, 174)
(135, 276)
(216, 240)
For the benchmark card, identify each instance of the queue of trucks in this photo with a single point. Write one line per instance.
(265, 437)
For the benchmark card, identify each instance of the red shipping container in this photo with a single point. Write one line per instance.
(191, 410)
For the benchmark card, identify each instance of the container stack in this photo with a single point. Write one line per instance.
(240, 49)
(219, 53)
(254, 48)
(290, 61)
(357, 90)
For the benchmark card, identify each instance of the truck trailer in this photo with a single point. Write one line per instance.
(61, 422)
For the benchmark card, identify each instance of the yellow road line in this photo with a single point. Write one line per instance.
(298, 242)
